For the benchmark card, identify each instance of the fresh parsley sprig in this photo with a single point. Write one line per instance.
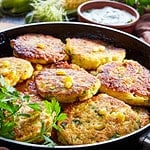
(140, 5)
(12, 100)
(53, 108)
(8, 108)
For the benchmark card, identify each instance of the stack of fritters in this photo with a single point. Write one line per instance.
(91, 116)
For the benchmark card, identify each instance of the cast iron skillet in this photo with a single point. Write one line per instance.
(136, 50)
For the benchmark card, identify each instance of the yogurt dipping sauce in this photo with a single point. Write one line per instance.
(109, 15)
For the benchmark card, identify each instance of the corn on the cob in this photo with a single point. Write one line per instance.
(72, 4)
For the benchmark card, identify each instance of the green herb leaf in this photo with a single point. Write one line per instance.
(43, 128)
(10, 104)
(140, 5)
(35, 106)
(48, 107)
(144, 2)
(53, 108)
(9, 109)
(6, 130)
(61, 117)
(130, 2)
(24, 115)
(48, 141)
(26, 98)
(57, 127)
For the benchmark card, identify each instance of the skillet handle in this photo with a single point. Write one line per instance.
(145, 140)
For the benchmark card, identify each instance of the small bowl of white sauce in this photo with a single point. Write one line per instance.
(109, 13)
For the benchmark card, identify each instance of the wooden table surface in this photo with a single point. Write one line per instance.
(7, 22)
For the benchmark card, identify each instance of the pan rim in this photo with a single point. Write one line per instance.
(72, 23)
(77, 146)
(83, 145)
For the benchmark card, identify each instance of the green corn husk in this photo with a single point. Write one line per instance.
(15, 7)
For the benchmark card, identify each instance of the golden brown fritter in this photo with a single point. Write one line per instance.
(15, 70)
(38, 48)
(143, 114)
(28, 128)
(27, 86)
(89, 54)
(128, 81)
(64, 64)
(98, 119)
(66, 85)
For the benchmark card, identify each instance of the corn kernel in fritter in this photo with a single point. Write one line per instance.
(68, 82)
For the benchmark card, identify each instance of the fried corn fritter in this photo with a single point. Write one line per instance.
(39, 48)
(15, 70)
(66, 85)
(128, 81)
(99, 91)
(143, 114)
(27, 86)
(28, 128)
(89, 54)
(64, 64)
(98, 119)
